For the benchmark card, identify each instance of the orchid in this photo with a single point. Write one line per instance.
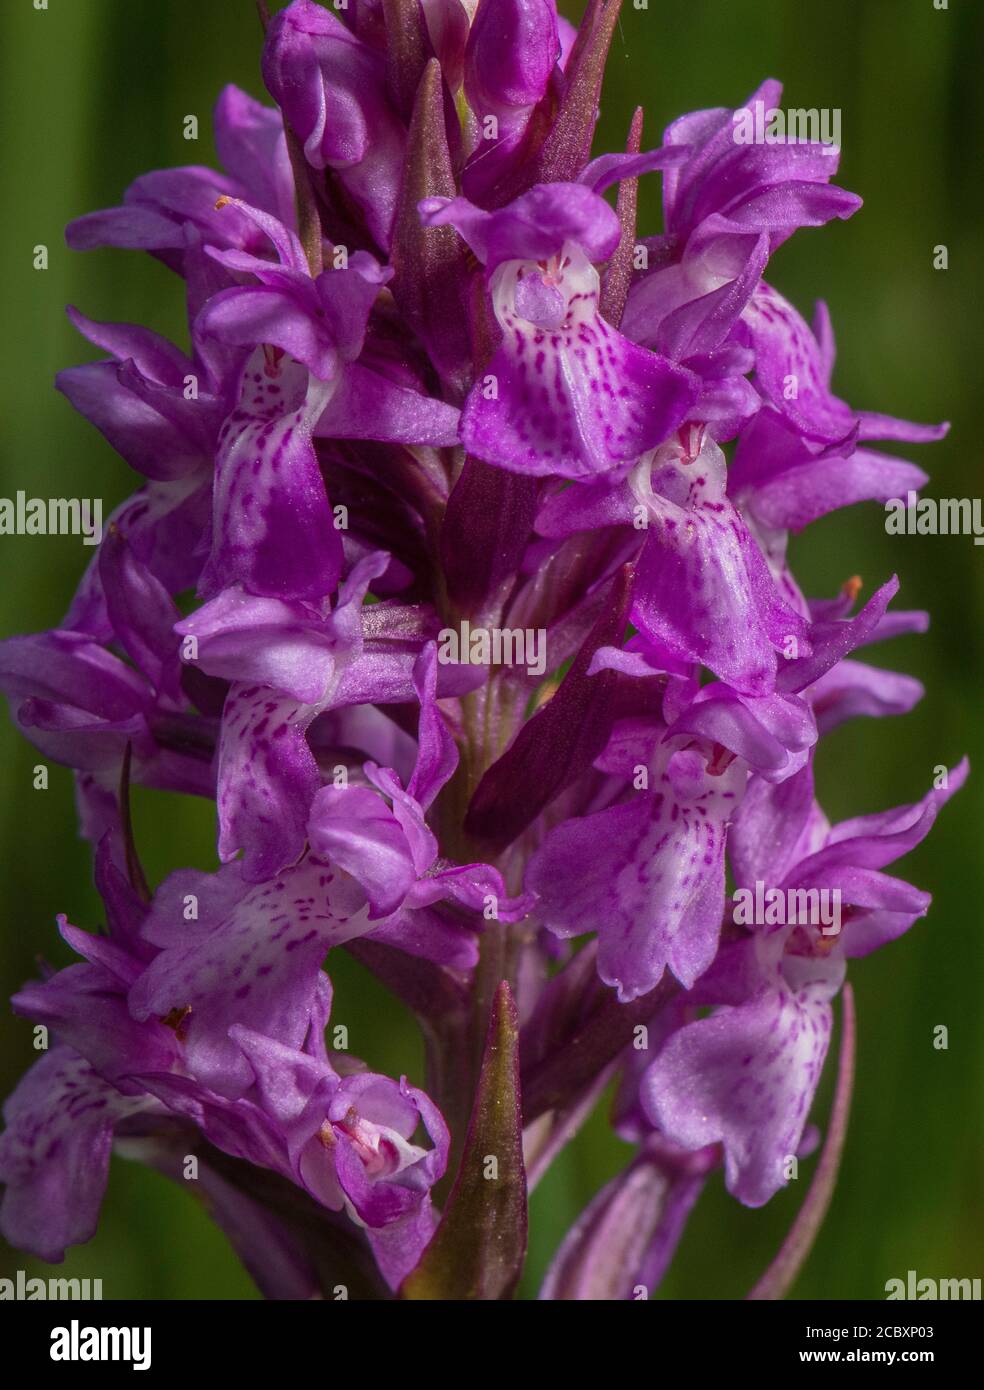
(435, 376)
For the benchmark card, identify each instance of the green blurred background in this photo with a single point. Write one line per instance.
(95, 92)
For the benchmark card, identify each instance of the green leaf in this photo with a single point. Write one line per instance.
(479, 1247)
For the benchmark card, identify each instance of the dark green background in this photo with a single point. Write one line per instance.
(94, 93)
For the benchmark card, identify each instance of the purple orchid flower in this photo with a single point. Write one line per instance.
(565, 394)
(330, 87)
(510, 62)
(82, 704)
(171, 211)
(266, 465)
(324, 1122)
(726, 612)
(745, 1076)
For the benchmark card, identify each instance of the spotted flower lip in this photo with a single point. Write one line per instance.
(256, 1097)
(746, 1075)
(435, 374)
(267, 474)
(557, 349)
(656, 896)
(702, 591)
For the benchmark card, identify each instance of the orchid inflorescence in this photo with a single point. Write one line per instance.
(439, 388)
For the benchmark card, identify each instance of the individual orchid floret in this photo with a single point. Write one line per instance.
(565, 394)
(322, 320)
(703, 592)
(319, 319)
(746, 1076)
(283, 661)
(728, 205)
(719, 201)
(83, 704)
(511, 57)
(771, 186)
(342, 1135)
(287, 665)
(647, 874)
(302, 377)
(331, 88)
(172, 210)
